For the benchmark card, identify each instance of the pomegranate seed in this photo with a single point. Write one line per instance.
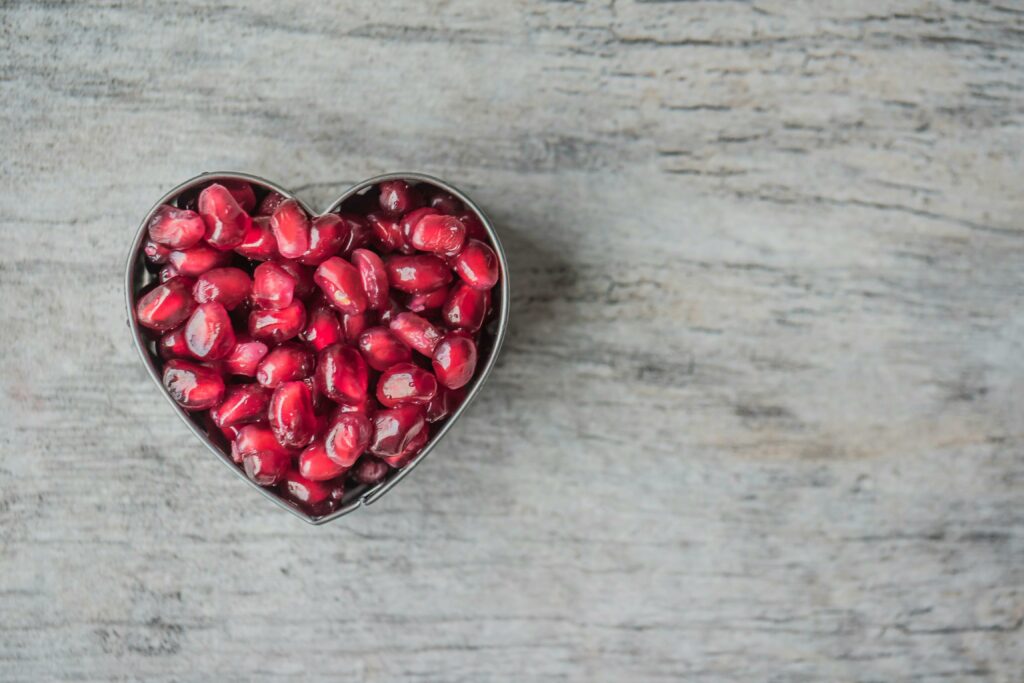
(417, 274)
(444, 403)
(242, 404)
(266, 468)
(285, 363)
(410, 220)
(475, 229)
(327, 234)
(341, 374)
(341, 283)
(316, 466)
(353, 326)
(373, 277)
(167, 305)
(417, 303)
(348, 438)
(438, 234)
(395, 428)
(291, 414)
(454, 360)
(245, 358)
(208, 333)
(278, 325)
(176, 228)
(226, 286)
(197, 260)
(226, 222)
(315, 497)
(416, 331)
(387, 234)
(415, 444)
(256, 438)
(323, 328)
(381, 348)
(405, 383)
(272, 286)
(391, 312)
(369, 470)
(304, 284)
(167, 273)
(230, 433)
(466, 307)
(397, 197)
(291, 229)
(359, 233)
(156, 253)
(445, 203)
(172, 344)
(270, 203)
(193, 386)
(259, 243)
(242, 192)
(477, 265)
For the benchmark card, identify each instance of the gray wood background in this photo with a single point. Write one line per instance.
(760, 415)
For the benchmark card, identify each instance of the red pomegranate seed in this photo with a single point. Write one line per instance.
(323, 328)
(373, 277)
(208, 333)
(316, 466)
(397, 197)
(405, 383)
(410, 220)
(327, 235)
(391, 312)
(466, 307)
(369, 470)
(417, 303)
(386, 234)
(270, 203)
(172, 344)
(278, 325)
(341, 374)
(242, 404)
(477, 265)
(348, 437)
(439, 234)
(259, 243)
(193, 386)
(291, 414)
(230, 433)
(416, 332)
(445, 203)
(176, 228)
(417, 274)
(359, 233)
(342, 285)
(197, 260)
(412, 448)
(354, 325)
(273, 287)
(242, 192)
(266, 468)
(156, 253)
(226, 222)
(256, 438)
(285, 363)
(226, 286)
(395, 428)
(315, 497)
(245, 358)
(444, 403)
(167, 273)
(304, 285)
(167, 305)
(381, 348)
(291, 229)
(475, 229)
(454, 360)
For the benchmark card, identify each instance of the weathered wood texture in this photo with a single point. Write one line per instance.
(760, 415)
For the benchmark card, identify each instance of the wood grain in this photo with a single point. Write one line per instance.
(761, 411)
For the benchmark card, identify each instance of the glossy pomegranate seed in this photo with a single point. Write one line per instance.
(341, 374)
(172, 344)
(322, 329)
(475, 229)
(412, 448)
(369, 470)
(226, 286)
(266, 468)
(167, 273)
(417, 274)
(208, 333)
(304, 284)
(327, 235)
(256, 438)
(405, 383)
(466, 307)
(444, 403)
(285, 363)
(242, 404)
(381, 348)
(395, 428)
(386, 234)
(193, 386)
(291, 229)
(291, 414)
(197, 260)
(316, 466)
(454, 360)
(391, 312)
(167, 305)
(242, 192)
(445, 203)
(272, 286)
(416, 332)
(278, 325)
(176, 228)
(410, 220)
(397, 197)
(259, 243)
(156, 253)
(341, 284)
(354, 325)
(270, 203)
(349, 435)
(359, 233)
(373, 277)
(439, 234)
(226, 222)
(477, 265)
(315, 497)
(428, 301)
(245, 358)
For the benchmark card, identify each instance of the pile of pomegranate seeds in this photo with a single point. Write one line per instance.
(326, 349)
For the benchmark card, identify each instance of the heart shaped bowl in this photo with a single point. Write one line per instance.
(138, 275)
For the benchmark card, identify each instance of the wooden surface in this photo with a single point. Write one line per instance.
(760, 415)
